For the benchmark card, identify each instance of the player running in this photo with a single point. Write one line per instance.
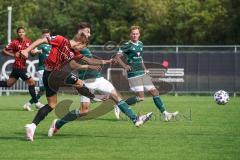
(138, 80)
(95, 81)
(43, 51)
(19, 67)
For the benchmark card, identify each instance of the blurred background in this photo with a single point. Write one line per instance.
(171, 22)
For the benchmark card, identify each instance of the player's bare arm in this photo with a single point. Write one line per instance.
(77, 66)
(8, 52)
(144, 67)
(118, 58)
(94, 61)
(36, 43)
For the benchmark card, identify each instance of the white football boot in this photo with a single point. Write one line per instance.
(27, 107)
(117, 111)
(142, 119)
(39, 105)
(30, 130)
(52, 130)
(168, 116)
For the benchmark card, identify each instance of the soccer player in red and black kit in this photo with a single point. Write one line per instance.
(63, 52)
(19, 67)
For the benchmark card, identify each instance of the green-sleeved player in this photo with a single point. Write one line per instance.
(138, 80)
(44, 50)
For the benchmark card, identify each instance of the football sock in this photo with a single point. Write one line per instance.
(132, 100)
(33, 93)
(85, 92)
(39, 95)
(158, 102)
(3, 84)
(127, 110)
(71, 116)
(42, 113)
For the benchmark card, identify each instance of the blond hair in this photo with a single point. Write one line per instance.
(134, 28)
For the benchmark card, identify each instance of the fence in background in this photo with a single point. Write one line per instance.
(192, 69)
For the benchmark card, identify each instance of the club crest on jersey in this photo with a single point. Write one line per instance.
(71, 54)
(53, 37)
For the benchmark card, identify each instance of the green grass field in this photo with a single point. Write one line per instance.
(203, 130)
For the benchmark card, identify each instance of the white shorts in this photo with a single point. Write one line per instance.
(40, 77)
(141, 83)
(101, 85)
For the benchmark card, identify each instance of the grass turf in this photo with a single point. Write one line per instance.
(203, 130)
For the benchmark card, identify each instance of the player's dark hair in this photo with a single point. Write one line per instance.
(83, 25)
(81, 38)
(45, 30)
(20, 28)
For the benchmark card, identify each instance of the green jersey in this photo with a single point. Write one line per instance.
(45, 48)
(88, 74)
(133, 52)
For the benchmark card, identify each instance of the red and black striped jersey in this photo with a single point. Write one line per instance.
(61, 53)
(15, 46)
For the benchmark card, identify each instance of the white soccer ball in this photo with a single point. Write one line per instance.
(221, 97)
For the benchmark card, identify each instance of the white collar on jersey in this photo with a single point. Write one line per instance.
(137, 43)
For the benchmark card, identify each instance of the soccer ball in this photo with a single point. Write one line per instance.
(221, 97)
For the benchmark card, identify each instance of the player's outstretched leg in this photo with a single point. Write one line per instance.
(159, 104)
(137, 120)
(31, 101)
(32, 91)
(41, 114)
(57, 124)
(130, 101)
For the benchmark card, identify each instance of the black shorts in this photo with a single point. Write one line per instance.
(53, 80)
(22, 73)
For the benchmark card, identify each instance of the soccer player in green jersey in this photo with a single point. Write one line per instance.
(43, 51)
(138, 80)
(95, 81)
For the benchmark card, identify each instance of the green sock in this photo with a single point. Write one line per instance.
(158, 102)
(132, 100)
(71, 116)
(124, 107)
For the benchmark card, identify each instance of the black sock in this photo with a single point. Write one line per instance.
(3, 84)
(85, 92)
(42, 113)
(33, 93)
(32, 101)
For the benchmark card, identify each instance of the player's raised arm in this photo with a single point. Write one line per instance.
(36, 43)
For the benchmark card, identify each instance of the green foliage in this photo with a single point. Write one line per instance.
(162, 22)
